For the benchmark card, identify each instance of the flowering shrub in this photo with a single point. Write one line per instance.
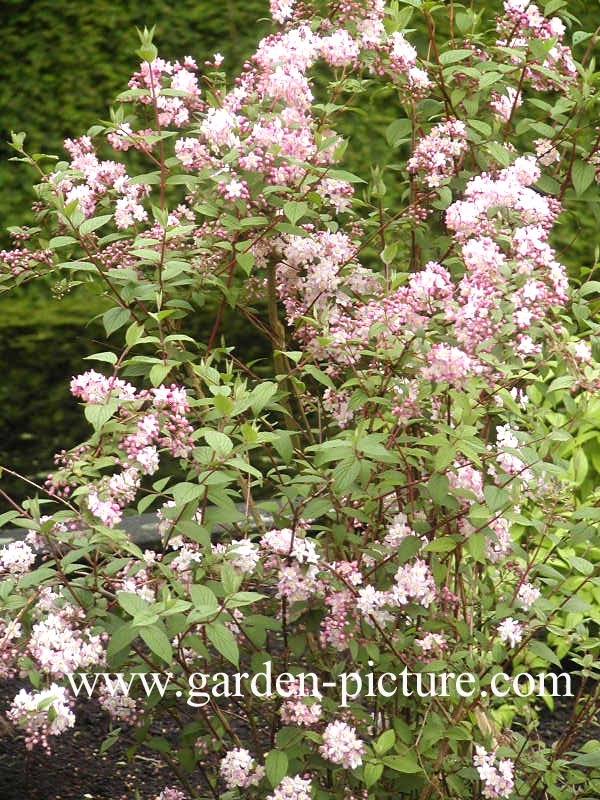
(415, 442)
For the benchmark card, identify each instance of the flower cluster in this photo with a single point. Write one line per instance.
(295, 788)
(164, 428)
(239, 769)
(522, 24)
(296, 710)
(497, 781)
(16, 558)
(58, 647)
(42, 714)
(437, 155)
(342, 746)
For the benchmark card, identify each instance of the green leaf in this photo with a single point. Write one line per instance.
(230, 579)
(220, 442)
(294, 210)
(261, 395)
(186, 492)
(276, 765)
(108, 357)
(345, 474)
(134, 333)
(93, 224)
(438, 488)
(542, 651)
(398, 131)
(61, 241)
(409, 547)
(223, 641)
(476, 546)
(120, 639)
(371, 773)
(445, 544)
(582, 565)
(205, 598)
(98, 415)
(344, 175)
(158, 373)
(497, 499)
(582, 176)
(588, 759)
(407, 764)
(132, 603)
(564, 382)
(481, 127)
(114, 319)
(158, 642)
(245, 261)
(453, 56)
(385, 742)
(244, 598)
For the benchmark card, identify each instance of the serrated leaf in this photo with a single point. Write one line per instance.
(371, 773)
(294, 210)
(245, 598)
(158, 642)
(541, 650)
(345, 474)
(61, 241)
(223, 641)
(114, 319)
(588, 759)
(134, 333)
(385, 742)
(261, 395)
(454, 56)
(107, 357)
(438, 486)
(245, 261)
(186, 492)
(219, 442)
(407, 764)
(132, 603)
(444, 544)
(398, 131)
(120, 639)
(90, 225)
(582, 176)
(476, 546)
(98, 415)
(276, 765)
(230, 579)
(204, 597)
(158, 373)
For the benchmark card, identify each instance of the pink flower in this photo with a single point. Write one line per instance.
(342, 746)
(339, 49)
(497, 781)
(295, 788)
(527, 595)
(239, 770)
(42, 714)
(414, 583)
(16, 558)
(503, 104)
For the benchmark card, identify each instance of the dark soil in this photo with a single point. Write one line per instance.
(77, 771)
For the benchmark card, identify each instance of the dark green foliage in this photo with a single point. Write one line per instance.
(62, 64)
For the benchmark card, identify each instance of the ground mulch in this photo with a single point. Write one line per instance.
(77, 770)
